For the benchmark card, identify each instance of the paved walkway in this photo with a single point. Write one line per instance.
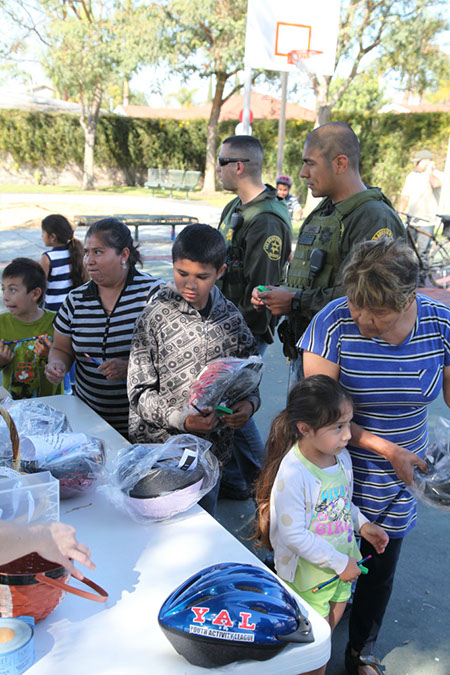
(415, 636)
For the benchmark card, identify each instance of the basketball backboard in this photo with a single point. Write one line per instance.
(276, 28)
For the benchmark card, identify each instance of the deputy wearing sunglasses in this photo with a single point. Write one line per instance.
(257, 229)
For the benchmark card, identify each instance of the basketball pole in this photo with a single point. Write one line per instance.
(247, 92)
(282, 122)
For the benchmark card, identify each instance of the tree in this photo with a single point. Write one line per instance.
(364, 93)
(85, 45)
(184, 96)
(206, 37)
(369, 25)
(411, 54)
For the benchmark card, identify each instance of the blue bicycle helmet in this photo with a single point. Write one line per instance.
(230, 612)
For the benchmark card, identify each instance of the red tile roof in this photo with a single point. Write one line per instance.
(261, 105)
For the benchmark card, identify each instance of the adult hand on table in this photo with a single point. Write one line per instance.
(114, 369)
(55, 371)
(277, 300)
(242, 411)
(57, 542)
(6, 354)
(201, 423)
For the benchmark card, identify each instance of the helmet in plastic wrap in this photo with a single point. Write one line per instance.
(226, 381)
(433, 488)
(230, 612)
(76, 468)
(156, 484)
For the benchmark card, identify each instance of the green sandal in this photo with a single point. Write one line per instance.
(353, 661)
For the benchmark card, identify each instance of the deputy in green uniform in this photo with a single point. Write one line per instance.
(350, 212)
(257, 229)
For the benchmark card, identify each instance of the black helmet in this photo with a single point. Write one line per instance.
(154, 482)
(230, 612)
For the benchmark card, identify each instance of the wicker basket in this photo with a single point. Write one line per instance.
(14, 436)
(33, 586)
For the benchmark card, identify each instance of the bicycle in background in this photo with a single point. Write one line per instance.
(435, 259)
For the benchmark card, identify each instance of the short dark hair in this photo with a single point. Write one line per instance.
(336, 138)
(250, 148)
(200, 243)
(31, 273)
(116, 235)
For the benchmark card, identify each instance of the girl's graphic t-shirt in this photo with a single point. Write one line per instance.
(332, 520)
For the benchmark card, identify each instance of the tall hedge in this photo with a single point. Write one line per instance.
(387, 142)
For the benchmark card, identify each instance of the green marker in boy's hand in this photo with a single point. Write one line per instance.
(222, 410)
(263, 289)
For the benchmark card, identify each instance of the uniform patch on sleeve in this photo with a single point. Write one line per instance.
(384, 232)
(272, 246)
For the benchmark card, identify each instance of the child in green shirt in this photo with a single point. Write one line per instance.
(25, 331)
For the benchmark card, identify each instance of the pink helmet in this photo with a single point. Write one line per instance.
(284, 180)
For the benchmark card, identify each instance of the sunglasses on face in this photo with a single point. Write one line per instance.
(223, 161)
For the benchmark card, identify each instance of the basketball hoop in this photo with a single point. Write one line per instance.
(303, 59)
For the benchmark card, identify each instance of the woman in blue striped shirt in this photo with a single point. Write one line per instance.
(390, 347)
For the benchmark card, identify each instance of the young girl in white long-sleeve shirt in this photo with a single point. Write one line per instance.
(304, 497)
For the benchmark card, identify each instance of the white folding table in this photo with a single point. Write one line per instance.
(139, 565)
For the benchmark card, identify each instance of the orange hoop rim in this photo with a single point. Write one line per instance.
(297, 55)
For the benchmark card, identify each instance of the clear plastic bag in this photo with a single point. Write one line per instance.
(75, 459)
(433, 488)
(154, 482)
(225, 382)
(31, 418)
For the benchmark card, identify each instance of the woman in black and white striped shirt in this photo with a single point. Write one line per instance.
(95, 323)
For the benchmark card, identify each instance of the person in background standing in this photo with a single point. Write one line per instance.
(63, 267)
(420, 196)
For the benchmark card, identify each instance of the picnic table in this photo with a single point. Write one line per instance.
(140, 220)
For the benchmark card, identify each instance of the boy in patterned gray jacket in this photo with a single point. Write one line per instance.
(187, 325)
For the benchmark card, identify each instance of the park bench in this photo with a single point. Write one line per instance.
(172, 179)
(140, 220)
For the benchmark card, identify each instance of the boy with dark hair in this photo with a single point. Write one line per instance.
(25, 330)
(187, 325)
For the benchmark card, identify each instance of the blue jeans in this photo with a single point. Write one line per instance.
(248, 453)
(209, 501)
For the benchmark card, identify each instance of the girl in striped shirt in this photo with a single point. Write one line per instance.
(63, 267)
(63, 264)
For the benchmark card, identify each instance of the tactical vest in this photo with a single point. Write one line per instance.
(233, 283)
(325, 232)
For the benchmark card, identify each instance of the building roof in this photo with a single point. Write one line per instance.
(262, 106)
